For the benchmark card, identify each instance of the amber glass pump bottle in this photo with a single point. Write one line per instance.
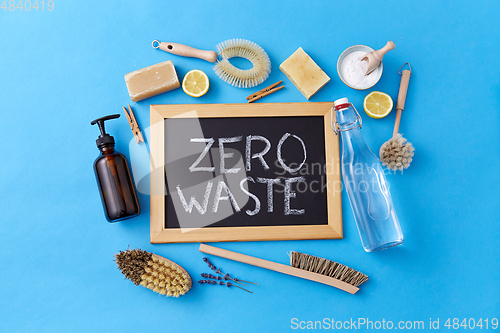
(113, 178)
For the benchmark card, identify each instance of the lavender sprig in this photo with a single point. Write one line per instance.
(207, 281)
(210, 276)
(238, 280)
(221, 283)
(218, 271)
(227, 277)
(229, 284)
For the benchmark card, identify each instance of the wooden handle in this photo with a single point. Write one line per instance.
(403, 89)
(396, 125)
(379, 54)
(278, 268)
(188, 51)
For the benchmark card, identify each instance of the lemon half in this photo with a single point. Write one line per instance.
(195, 83)
(377, 104)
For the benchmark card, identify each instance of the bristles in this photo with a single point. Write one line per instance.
(154, 272)
(396, 153)
(245, 49)
(132, 263)
(327, 267)
(166, 278)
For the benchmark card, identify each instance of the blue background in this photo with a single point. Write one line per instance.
(61, 69)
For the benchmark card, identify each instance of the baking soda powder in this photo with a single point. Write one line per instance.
(353, 71)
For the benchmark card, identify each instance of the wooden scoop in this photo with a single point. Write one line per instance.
(374, 58)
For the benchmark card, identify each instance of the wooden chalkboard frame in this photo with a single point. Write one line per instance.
(160, 234)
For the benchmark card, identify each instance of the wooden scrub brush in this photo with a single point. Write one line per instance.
(242, 48)
(301, 265)
(154, 272)
(327, 267)
(397, 153)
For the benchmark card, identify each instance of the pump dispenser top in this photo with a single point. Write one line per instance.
(104, 139)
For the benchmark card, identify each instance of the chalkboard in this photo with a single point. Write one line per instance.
(232, 172)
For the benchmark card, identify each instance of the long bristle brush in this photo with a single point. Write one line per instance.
(327, 267)
(397, 153)
(154, 272)
(301, 265)
(233, 48)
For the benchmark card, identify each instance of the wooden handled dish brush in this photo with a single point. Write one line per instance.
(242, 48)
(301, 265)
(154, 272)
(397, 153)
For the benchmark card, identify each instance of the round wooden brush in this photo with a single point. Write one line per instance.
(241, 48)
(397, 153)
(154, 272)
(242, 78)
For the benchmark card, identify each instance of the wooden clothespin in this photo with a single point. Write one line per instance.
(133, 124)
(264, 92)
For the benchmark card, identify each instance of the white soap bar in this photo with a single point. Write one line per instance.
(151, 81)
(304, 73)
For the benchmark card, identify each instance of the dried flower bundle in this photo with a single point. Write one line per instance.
(220, 283)
(216, 279)
(226, 276)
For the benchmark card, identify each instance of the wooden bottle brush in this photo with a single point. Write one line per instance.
(397, 153)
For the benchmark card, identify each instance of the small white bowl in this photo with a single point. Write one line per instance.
(349, 50)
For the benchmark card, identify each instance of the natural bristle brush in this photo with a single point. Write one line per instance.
(397, 153)
(327, 267)
(241, 78)
(301, 265)
(154, 272)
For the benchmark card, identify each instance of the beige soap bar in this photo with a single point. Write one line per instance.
(304, 73)
(151, 81)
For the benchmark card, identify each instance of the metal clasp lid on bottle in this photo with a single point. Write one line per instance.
(336, 126)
